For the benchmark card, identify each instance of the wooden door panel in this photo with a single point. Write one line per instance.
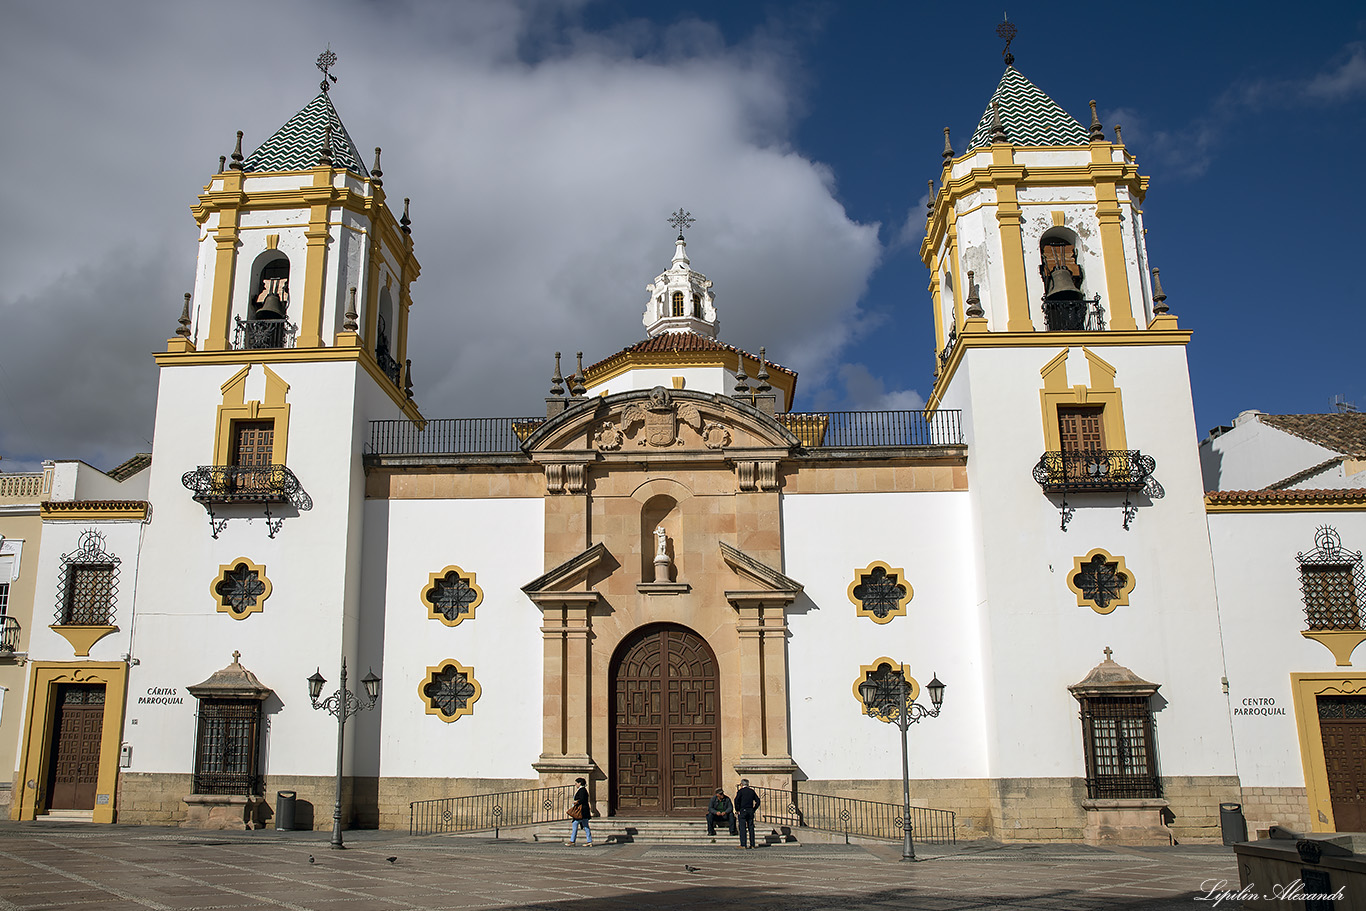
(74, 763)
(1342, 724)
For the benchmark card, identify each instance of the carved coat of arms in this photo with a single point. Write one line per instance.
(661, 416)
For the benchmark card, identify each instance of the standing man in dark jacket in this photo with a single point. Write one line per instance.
(720, 810)
(746, 805)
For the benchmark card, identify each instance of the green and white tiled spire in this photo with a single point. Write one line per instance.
(297, 144)
(1029, 116)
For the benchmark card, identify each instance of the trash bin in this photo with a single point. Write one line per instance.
(284, 810)
(1231, 822)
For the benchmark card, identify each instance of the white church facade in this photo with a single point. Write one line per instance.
(668, 577)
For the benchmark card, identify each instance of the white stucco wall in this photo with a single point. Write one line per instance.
(1254, 455)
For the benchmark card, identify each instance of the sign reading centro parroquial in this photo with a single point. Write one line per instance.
(1258, 705)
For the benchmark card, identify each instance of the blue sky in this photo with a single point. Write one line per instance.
(544, 143)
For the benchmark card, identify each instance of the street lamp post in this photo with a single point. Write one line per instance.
(343, 703)
(888, 698)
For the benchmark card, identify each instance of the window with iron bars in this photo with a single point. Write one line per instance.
(1121, 747)
(227, 758)
(1331, 581)
(89, 595)
(4, 599)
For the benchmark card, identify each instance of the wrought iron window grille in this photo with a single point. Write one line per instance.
(450, 691)
(1126, 471)
(216, 485)
(453, 595)
(1101, 582)
(1121, 747)
(1074, 315)
(88, 583)
(240, 589)
(227, 754)
(880, 592)
(1332, 582)
(263, 333)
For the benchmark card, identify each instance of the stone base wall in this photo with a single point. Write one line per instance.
(396, 793)
(1195, 805)
(1267, 807)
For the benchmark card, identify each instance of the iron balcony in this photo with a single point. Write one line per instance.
(1104, 470)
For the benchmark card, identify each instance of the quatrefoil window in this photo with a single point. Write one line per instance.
(449, 690)
(1101, 582)
(240, 589)
(880, 592)
(451, 595)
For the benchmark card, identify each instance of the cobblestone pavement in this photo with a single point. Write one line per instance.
(90, 868)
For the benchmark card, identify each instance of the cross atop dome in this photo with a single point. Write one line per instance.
(681, 299)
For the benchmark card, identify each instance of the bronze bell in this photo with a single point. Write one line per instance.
(1062, 285)
(271, 308)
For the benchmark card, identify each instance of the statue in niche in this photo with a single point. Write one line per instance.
(661, 554)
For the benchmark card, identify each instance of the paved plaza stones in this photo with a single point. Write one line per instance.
(92, 869)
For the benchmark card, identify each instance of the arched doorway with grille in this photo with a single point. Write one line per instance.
(666, 723)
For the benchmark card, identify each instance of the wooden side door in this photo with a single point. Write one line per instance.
(74, 761)
(1342, 724)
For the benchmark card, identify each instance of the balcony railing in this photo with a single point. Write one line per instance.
(214, 485)
(865, 429)
(1074, 315)
(451, 436)
(947, 351)
(479, 812)
(9, 635)
(392, 369)
(24, 485)
(263, 333)
(1125, 471)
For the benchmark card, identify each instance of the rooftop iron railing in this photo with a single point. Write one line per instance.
(480, 812)
(854, 816)
(451, 436)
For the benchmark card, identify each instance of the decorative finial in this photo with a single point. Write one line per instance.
(184, 329)
(237, 153)
(1119, 139)
(929, 198)
(325, 156)
(974, 309)
(350, 317)
(405, 223)
(557, 381)
(1008, 31)
(1108, 653)
(1160, 307)
(948, 148)
(741, 379)
(222, 163)
(1097, 131)
(408, 377)
(762, 375)
(326, 60)
(681, 220)
(376, 175)
(576, 387)
(998, 132)
(235, 656)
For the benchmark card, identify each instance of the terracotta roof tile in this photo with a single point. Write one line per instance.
(125, 470)
(672, 342)
(1344, 433)
(1355, 494)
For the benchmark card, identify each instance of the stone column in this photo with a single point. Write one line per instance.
(766, 751)
(567, 632)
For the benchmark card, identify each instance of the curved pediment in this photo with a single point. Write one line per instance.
(658, 421)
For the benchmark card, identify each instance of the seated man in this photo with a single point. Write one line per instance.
(720, 810)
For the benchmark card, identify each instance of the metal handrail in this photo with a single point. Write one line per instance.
(855, 816)
(9, 635)
(1121, 470)
(451, 436)
(864, 429)
(480, 812)
(246, 484)
(253, 334)
(1084, 315)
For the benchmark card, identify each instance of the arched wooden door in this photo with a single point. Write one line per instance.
(666, 723)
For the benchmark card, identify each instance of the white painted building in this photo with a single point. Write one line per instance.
(674, 579)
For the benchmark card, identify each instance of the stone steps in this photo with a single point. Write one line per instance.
(653, 831)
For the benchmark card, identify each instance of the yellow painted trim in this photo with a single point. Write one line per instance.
(970, 340)
(32, 773)
(1348, 501)
(1102, 392)
(316, 238)
(1082, 599)
(272, 241)
(225, 236)
(431, 708)
(678, 382)
(1059, 218)
(297, 356)
(222, 606)
(866, 669)
(1341, 642)
(1108, 214)
(430, 588)
(1304, 688)
(82, 638)
(900, 574)
(94, 512)
(235, 409)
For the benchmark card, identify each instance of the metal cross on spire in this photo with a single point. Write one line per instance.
(1008, 31)
(326, 60)
(681, 220)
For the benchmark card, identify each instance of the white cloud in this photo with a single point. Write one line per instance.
(542, 161)
(866, 392)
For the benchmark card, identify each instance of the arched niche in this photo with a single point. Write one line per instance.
(269, 275)
(384, 325)
(660, 509)
(1059, 249)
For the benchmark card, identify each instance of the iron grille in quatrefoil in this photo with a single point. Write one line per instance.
(452, 595)
(1101, 581)
(240, 587)
(449, 690)
(879, 592)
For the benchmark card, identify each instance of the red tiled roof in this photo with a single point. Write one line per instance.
(125, 470)
(1355, 494)
(1340, 432)
(676, 342)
